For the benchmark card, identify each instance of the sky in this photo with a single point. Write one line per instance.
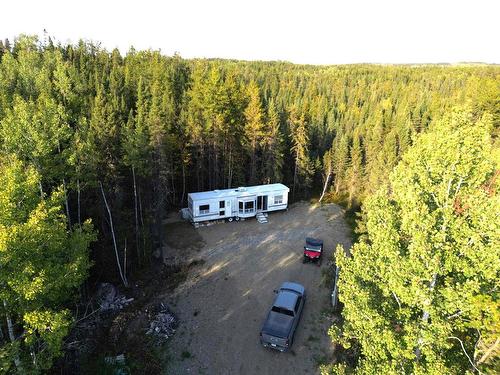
(305, 32)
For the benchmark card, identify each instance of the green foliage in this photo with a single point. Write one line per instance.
(42, 263)
(152, 128)
(35, 132)
(422, 281)
(300, 149)
(253, 131)
(272, 147)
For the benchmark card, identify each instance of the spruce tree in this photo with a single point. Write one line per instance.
(300, 149)
(340, 160)
(272, 147)
(355, 173)
(253, 129)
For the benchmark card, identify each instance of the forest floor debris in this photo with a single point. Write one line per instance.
(109, 298)
(113, 324)
(163, 324)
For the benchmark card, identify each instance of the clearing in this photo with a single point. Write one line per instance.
(224, 300)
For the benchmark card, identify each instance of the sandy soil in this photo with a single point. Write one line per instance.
(224, 301)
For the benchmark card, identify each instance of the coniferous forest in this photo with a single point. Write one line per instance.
(96, 148)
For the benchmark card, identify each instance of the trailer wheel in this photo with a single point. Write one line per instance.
(237, 218)
(230, 219)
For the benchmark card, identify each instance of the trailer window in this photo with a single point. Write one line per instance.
(222, 204)
(249, 207)
(204, 209)
(278, 199)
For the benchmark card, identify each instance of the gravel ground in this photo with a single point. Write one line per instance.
(224, 301)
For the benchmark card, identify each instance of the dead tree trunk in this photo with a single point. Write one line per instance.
(66, 203)
(125, 258)
(122, 275)
(183, 182)
(136, 218)
(230, 173)
(294, 180)
(141, 216)
(198, 167)
(326, 183)
(172, 180)
(78, 200)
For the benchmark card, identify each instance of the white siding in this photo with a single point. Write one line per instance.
(205, 206)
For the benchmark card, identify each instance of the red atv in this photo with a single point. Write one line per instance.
(313, 251)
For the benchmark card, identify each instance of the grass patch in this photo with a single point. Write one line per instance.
(320, 359)
(186, 355)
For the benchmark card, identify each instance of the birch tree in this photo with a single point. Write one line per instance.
(420, 291)
(42, 263)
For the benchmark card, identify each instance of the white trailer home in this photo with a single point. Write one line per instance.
(238, 203)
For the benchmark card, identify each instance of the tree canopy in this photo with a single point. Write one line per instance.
(420, 288)
(42, 263)
(123, 139)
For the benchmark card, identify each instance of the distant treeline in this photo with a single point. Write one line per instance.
(145, 129)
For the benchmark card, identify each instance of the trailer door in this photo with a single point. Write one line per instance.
(262, 203)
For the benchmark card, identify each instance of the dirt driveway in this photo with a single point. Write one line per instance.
(224, 301)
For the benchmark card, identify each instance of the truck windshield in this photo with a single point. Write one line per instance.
(282, 310)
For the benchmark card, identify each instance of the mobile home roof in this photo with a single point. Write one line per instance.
(239, 192)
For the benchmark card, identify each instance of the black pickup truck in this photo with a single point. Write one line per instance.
(282, 320)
